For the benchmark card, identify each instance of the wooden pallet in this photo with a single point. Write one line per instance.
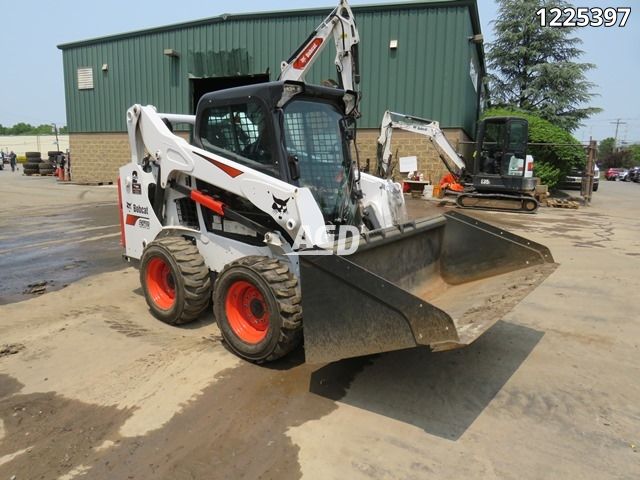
(562, 203)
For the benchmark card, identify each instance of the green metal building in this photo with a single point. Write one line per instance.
(433, 70)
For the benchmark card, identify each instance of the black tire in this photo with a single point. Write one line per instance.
(279, 296)
(45, 168)
(34, 162)
(29, 171)
(187, 273)
(595, 187)
(33, 155)
(53, 153)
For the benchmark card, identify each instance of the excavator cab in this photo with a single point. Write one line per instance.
(500, 161)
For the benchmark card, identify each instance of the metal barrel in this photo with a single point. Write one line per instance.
(438, 282)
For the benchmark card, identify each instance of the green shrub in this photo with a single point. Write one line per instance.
(553, 161)
(548, 174)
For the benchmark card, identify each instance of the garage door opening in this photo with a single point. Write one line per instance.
(200, 86)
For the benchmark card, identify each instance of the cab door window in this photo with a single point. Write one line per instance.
(240, 132)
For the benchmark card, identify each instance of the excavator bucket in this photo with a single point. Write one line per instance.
(439, 282)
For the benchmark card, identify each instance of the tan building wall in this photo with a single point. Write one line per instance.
(96, 157)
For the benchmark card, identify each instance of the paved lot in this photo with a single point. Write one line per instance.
(102, 390)
(54, 232)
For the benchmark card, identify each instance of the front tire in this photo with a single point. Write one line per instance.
(257, 305)
(175, 280)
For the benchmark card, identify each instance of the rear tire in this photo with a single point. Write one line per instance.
(257, 305)
(175, 280)
(595, 187)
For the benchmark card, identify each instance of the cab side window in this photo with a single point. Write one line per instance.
(240, 130)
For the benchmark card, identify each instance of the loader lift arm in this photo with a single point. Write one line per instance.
(341, 25)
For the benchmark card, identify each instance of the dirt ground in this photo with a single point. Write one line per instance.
(91, 386)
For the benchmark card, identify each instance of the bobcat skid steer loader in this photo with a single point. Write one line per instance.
(264, 217)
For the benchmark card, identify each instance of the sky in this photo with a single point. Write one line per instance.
(31, 79)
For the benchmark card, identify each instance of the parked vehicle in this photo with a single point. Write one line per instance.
(634, 174)
(574, 180)
(612, 173)
(623, 175)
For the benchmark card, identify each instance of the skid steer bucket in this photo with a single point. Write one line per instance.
(438, 282)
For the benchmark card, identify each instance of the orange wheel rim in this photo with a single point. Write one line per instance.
(247, 312)
(160, 283)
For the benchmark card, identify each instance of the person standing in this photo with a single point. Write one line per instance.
(12, 160)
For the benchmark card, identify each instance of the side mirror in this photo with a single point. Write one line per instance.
(294, 168)
(348, 125)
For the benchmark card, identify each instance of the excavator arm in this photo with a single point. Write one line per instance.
(428, 128)
(341, 25)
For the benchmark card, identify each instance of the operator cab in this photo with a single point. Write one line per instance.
(500, 159)
(301, 134)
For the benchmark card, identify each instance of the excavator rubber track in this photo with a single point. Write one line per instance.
(497, 202)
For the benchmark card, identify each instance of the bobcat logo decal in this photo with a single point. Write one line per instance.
(279, 206)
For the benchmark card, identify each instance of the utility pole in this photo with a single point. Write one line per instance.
(55, 130)
(588, 179)
(617, 123)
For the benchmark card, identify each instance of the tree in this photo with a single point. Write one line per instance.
(635, 154)
(554, 160)
(621, 158)
(44, 129)
(605, 148)
(21, 129)
(534, 68)
(28, 129)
